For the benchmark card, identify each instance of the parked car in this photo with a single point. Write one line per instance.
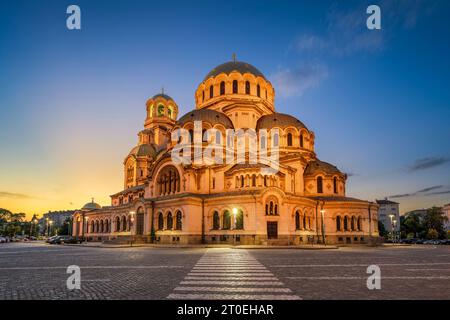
(50, 239)
(2, 240)
(63, 239)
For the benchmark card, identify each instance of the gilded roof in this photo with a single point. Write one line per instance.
(91, 206)
(316, 165)
(162, 95)
(144, 150)
(207, 115)
(279, 120)
(239, 66)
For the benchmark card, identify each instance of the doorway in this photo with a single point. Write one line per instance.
(272, 230)
(140, 223)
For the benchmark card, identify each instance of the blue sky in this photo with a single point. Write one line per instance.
(71, 102)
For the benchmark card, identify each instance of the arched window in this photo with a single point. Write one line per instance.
(253, 180)
(276, 209)
(258, 90)
(335, 185)
(222, 88)
(179, 223)
(297, 220)
(92, 227)
(117, 224)
(226, 220)
(211, 92)
(124, 223)
(160, 221)
(263, 142)
(304, 222)
(169, 221)
(319, 185)
(289, 139)
(338, 223)
(353, 223)
(359, 224)
(102, 225)
(275, 140)
(216, 221)
(247, 87)
(267, 209)
(239, 220)
(265, 181)
(346, 223)
(191, 135)
(218, 137)
(160, 110)
(235, 86)
(106, 225)
(271, 208)
(242, 181)
(301, 140)
(168, 181)
(169, 112)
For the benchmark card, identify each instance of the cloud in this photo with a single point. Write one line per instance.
(347, 34)
(429, 189)
(423, 192)
(12, 195)
(427, 163)
(295, 81)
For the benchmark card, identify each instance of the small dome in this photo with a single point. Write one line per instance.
(206, 115)
(91, 206)
(316, 165)
(239, 66)
(144, 150)
(162, 95)
(279, 120)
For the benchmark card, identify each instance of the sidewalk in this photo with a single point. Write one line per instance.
(188, 246)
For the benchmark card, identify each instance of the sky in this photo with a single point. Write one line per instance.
(72, 101)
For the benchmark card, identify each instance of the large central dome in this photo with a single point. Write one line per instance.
(239, 66)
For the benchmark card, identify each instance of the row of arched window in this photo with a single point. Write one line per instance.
(168, 181)
(303, 222)
(235, 89)
(224, 221)
(320, 185)
(168, 222)
(348, 224)
(99, 226)
(251, 181)
(161, 111)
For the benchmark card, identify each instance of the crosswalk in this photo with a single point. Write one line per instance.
(223, 273)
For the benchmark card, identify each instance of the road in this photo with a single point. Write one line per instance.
(39, 271)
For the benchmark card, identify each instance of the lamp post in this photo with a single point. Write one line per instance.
(50, 222)
(392, 226)
(131, 225)
(235, 210)
(322, 213)
(87, 226)
(394, 229)
(33, 223)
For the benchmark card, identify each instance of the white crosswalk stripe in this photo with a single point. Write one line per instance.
(231, 274)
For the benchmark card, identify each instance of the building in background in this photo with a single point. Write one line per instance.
(54, 219)
(389, 214)
(446, 209)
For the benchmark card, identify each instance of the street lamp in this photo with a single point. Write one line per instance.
(87, 226)
(235, 211)
(131, 220)
(392, 226)
(322, 213)
(50, 222)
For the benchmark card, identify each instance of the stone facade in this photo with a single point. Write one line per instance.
(304, 201)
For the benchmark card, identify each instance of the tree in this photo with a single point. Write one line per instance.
(65, 228)
(435, 219)
(412, 223)
(381, 229)
(432, 234)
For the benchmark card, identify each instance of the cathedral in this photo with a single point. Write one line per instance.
(164, 201)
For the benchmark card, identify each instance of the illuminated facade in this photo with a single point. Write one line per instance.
(304, 201)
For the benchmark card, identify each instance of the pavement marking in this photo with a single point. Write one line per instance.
(365, 278)
(90, 267)
(209, 296)
(233, 289)
(427, 269)
(230, 278)
(239, 274)
(236, 283)
(357, 265)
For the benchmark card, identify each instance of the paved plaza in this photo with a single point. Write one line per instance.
(39, 271)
